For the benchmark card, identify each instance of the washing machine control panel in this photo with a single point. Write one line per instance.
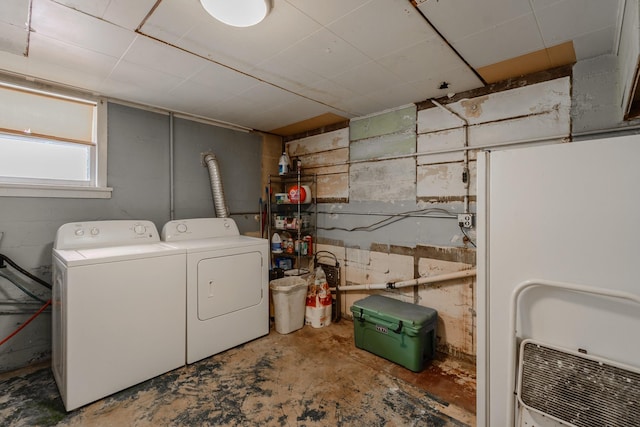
(82, 235)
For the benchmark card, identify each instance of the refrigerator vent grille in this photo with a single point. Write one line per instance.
(578, 390)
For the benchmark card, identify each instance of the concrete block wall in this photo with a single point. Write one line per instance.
(412, 158)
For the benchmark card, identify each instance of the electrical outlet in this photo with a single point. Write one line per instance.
(465, 220)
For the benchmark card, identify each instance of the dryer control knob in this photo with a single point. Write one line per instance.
(139, 229)
(79, 232)
(95, 231)
(182, 228)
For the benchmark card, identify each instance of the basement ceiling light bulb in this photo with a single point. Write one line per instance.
(238, 13)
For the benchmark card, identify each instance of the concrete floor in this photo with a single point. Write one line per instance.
(311, 377)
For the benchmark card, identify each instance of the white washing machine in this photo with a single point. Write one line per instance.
(227, 284)
(118, 308)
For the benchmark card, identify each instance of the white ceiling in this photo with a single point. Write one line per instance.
(308, 58)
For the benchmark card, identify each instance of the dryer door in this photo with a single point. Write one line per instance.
(229, 283)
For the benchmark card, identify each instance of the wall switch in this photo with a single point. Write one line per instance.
(465, 220)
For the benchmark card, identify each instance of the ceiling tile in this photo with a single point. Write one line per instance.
(326, 11)
(15, 12)
(284, 70)
(76, 60)
(18, 64)
(399, 94)
(14, 15)
(507, 40)
(222, 79)
(171, 20)
(128, 14)
(59, 22)
(362, 105)
(152, 53)
(284, 114)
(90, 7)
(133, 81)
(418, 60)
(459, 80)
(365, 78)
(595, 43)
(587, 16)
(266, 96)
(329, 93)
(56, 62)
(325, 54)
(124, 13)
(191, 96)
(13, 39)
(457, 19)
(368, 28)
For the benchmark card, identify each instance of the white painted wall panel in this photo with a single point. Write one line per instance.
(325, 155)
(387, 180)
(454, 300)
(551, 125)
(318, 143)
(443, 140)
(533, 99)
(444, 180)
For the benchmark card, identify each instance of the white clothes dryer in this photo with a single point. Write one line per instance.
(227, 284)
(118, 314)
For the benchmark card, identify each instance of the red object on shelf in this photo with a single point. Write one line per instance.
(297, 194)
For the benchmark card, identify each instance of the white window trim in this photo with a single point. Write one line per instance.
(26, 190)
(100, 191)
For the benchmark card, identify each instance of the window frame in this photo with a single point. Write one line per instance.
(98, 188)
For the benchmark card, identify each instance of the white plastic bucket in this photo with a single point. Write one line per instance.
(289, 295)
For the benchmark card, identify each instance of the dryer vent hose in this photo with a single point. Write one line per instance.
(219, 202)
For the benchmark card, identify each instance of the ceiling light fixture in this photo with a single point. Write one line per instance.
(238, 13)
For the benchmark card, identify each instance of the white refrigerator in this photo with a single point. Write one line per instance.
(559, 285)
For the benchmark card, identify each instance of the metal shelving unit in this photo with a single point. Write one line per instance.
(290, 218)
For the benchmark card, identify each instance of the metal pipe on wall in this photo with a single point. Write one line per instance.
(414, 282)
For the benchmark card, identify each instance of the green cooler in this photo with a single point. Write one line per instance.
(399, 331)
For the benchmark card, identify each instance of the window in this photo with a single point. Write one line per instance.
(50, 144)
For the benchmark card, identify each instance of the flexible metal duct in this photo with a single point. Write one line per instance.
(219, 202)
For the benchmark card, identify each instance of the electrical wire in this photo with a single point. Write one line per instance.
(468, 238)
(4, 258)
(22, 288)
(21, 327)
(445, 212)
(25, 272)
(392, 218)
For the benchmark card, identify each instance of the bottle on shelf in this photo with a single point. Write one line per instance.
(276, 244)
(284, 164)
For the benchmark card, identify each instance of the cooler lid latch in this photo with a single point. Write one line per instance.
(397, 331)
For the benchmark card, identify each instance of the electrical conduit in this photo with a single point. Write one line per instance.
(466, 176)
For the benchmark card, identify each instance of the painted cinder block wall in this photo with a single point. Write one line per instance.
(406, 164)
